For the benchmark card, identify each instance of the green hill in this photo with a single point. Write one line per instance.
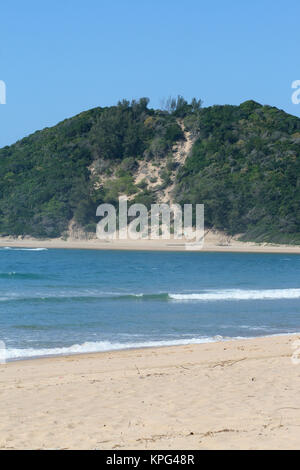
(244, 165)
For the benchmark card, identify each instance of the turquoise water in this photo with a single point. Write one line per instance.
(67, 301)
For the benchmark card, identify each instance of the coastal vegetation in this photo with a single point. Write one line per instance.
(244, 165)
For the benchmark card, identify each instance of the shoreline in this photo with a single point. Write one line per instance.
(223, 395)
(211, 245)
(145, 348)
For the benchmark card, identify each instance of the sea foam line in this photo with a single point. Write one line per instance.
(239, 294)
(9, 248)
(106, 346)
(214, 295)
(100, 346)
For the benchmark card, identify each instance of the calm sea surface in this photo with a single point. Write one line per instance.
(70, 301)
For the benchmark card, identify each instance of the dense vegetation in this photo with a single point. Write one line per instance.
(45, 180)
(244, 166)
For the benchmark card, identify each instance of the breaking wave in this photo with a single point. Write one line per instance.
(101, 346)
(88, 295)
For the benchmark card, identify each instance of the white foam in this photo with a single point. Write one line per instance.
(100, 346)
(24, 249)
(239, 294)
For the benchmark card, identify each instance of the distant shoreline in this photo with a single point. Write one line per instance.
(211, 245)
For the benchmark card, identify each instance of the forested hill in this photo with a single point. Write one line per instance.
(242, 162)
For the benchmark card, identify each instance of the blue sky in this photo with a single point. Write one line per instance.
(61, 57)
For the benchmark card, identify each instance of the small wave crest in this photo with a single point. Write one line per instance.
(15, 275)
(101, 346)
(239, 294)
(10, 248)
(207, 296)
(80, 296)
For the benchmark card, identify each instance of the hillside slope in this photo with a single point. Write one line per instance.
(242, 162)
(245, 167)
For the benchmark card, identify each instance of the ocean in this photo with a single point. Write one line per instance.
(55, 302)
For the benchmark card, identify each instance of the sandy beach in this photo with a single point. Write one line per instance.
(213, 242)
(224, 395)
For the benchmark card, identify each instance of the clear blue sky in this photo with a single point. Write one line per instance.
(60, 57)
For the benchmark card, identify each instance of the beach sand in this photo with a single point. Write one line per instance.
(227, 395)
(214, 242)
